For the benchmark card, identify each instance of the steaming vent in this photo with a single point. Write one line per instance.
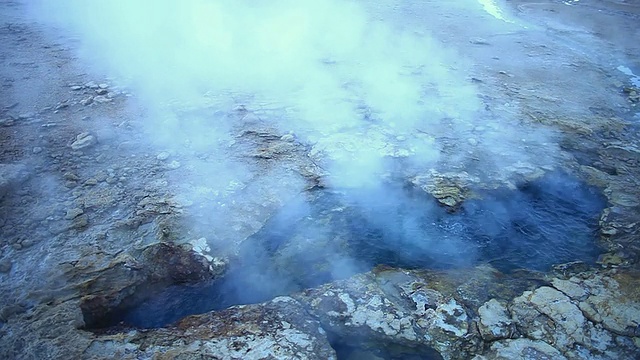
(336, 234)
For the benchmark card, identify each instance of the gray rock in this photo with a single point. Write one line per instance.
(11, 176)
(83, 140)
(5, 265)
(87, 101)
(495, 322)
(73, 213)
(393, 306)
(523, 349)
(173, 165)
(7, 122)
(278, 329)
(101, 99)
(163, 156)
(574, 327)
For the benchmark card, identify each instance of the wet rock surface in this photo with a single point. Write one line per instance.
(96, 220)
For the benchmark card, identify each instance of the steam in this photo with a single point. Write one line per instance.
(357, 89)
(326, 61)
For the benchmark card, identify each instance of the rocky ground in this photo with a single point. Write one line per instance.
(95, 218)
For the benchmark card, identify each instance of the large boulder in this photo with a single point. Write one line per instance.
(394, 307)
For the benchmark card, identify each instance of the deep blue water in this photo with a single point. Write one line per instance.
(337, 234)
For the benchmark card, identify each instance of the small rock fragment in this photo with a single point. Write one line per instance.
(5, 266)
(163, 156)
(173, 165)
(83, 140)
(73, 213)
(7, 122)
(87, 101)
(102, 99)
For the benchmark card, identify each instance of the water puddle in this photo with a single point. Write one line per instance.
(340, 233)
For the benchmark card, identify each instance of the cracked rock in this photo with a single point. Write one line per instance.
(83, 140)
(495, 322)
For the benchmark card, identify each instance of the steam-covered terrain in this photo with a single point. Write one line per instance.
(334, 179)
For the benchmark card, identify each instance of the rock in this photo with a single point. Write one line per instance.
(566, 316)
(73, 213)
(102, 99)
(163, 156)
(70, 176)
(27, 243)
(478, 41)
(173, 165)
(62, 105)
(102, 91)
(80, 222)
(87, 101)
(522, 349)
(7, 122)
(10, 176)
(495, 322)
(5, 265)
(10, 310)
(567, 328)
(278, 329)
(449, 189)
(613, 302)
(37, 150)
(83, 140)
(393, 307)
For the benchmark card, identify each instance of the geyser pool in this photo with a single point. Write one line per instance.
(336, 234)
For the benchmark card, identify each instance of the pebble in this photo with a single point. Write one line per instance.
(163, 156)
(83, 140)
(27, 243)
(173, 165)
(10, 310)
(103, 86)
(102, 91)
(73, 213)
(102, 99)
(5, 266)
(6, 122)
(91, 182)
(37, 150)
(287, 138)
(77, 87)
(87, 101)
(80, 222)
(479, 41)
(472, 141)
(61, 106)
(70, 176)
